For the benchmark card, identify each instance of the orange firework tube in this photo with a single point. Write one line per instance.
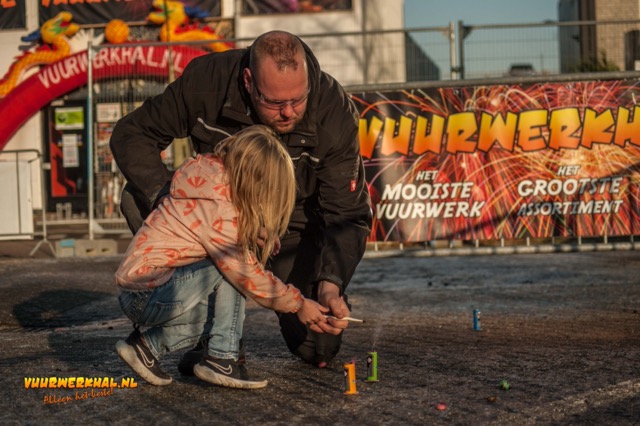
(350, 378)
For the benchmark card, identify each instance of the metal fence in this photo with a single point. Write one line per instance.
(548, 48)
(21, 172)
(498, 54)
(459, 50)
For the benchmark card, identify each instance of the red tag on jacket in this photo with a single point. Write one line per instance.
(353, 185)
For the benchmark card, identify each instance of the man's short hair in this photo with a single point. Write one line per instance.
(283, 47)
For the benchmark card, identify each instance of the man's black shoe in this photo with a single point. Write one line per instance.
(226, 372)
(137, 355)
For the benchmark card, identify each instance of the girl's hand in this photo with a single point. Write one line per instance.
(312, 314)
(262, 238)
(276, 247)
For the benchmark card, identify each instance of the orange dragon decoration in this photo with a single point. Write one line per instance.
(54, 37)
(60, 48)
(55, 46)
(174, 18)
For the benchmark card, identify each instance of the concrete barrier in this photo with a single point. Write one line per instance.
(86, 248)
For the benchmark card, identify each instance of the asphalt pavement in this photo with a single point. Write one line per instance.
(557, 342)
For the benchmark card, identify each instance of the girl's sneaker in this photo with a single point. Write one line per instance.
(226, 372)
(134, 351)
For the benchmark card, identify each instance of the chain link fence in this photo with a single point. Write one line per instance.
(497, 54)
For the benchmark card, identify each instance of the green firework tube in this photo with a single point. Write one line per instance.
(372, 366)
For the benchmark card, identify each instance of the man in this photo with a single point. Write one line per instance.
(277, 82)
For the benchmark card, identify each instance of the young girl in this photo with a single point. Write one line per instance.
(224, 216)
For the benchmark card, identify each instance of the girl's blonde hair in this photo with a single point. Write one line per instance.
(263, 189)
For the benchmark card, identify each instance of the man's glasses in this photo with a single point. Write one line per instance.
(270, 103)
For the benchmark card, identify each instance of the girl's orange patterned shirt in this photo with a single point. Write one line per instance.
(197, 221)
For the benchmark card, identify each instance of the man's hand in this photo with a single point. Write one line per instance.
(329, 296)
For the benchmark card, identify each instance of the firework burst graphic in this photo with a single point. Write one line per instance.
(570, 185)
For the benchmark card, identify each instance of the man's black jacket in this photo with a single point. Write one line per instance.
(209, 102)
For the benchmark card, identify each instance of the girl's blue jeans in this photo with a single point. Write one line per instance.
(196, 303)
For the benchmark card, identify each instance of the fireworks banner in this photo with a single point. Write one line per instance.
(87, 12)
(253, 7)
(504, 161)
(12, 14)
